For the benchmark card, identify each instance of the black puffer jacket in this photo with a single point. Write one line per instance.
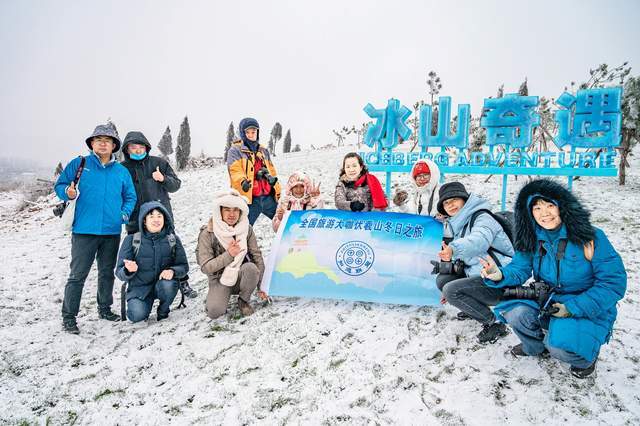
(148, 189)
(154, 256)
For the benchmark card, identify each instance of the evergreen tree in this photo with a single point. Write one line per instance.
(231, 136)
(276, 135)
(630, 124)
(296, 148)
(119, 154)
(165, 145)
(523, 90)
(477, 134)
(59, 169)
(183, 146)
(286, 145)
(500, 91)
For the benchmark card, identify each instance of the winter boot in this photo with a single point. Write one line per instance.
(492, 332)
(160, 316)
(70, 326)
(108, 315)
(245, 307)
(583, 373)
(462, 316)
(518, 351)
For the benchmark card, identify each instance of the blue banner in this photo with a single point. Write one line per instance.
(372, 257)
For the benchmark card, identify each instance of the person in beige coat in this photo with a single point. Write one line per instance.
(229, 255)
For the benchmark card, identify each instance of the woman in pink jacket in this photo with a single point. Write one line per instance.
(300, 194)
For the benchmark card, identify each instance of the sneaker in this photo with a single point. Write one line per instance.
(463, 316)
(582, 373)
(109, 316)
(245, 308)
(492, 332)
(518, 351)
(70, 326)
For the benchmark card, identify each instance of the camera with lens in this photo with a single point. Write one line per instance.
(447, 267)
(59, 209)
(539, 291)
(441, 267)
(263, 173)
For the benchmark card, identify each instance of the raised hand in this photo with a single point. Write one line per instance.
(315, 190)
(446, 253)
(71, 191)
(130, 265)
(400, 198)
(489, 269)
(157, 175)
(234, 248)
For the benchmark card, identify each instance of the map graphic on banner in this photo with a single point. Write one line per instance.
(371, 257)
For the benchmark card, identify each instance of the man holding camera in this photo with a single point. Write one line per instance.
(252, 172)
(471, 233)
(105, 198)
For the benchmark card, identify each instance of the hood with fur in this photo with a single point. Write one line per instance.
(573, 215)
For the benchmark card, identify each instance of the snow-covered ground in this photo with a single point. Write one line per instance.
(297, 360)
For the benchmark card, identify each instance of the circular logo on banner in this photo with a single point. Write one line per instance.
(355, 258)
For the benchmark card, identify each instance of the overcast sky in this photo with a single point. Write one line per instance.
(312, 66)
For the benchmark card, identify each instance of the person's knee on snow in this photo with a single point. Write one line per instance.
(137, 310)
(166, 290)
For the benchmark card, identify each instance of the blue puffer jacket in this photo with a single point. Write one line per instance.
(485, 233)
(107, 195)
(154, 255)
(589, 289)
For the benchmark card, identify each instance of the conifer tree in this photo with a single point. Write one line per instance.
(183, 146)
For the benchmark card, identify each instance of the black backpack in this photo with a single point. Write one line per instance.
(505, 219)
(137, 240)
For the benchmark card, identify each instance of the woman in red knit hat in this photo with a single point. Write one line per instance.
(422, 199)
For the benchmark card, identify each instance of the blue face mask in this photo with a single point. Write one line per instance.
(138, 156)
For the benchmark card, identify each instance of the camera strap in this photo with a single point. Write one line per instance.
(76, 179)
(562, 246)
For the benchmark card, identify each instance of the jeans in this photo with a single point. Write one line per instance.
(265, 204)
(84, 249)
(164, 290)
(525, 322)
(470, 295)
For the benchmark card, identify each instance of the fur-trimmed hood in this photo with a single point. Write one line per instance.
(573, 215)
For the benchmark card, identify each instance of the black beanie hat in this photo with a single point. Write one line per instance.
(451, 190)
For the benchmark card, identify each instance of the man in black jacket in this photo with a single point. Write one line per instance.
(152, 176)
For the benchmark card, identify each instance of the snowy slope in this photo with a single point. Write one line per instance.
(298, 360)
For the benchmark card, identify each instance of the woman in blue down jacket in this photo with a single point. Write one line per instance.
(153, 272)
(588, 279)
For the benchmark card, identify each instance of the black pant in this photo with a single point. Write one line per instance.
(265, 204)
(470, 295)
(84, 249)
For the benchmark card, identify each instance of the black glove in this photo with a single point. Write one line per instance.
(271, 180)
(246, 185)
(356, 206)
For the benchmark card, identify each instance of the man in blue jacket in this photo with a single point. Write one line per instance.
(105, 199)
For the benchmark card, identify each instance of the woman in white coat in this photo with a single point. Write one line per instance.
(422, 199)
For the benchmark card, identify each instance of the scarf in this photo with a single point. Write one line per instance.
(226, 233)
(377, 193)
